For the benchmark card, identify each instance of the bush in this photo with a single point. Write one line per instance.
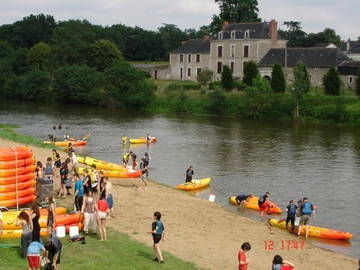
(215, 85)
(227, 80)
(331, 82)
(239, 85)
(250, 72)
(204, 77)
(217, 102)
(186, 85)
(358, 82)
(278, 82)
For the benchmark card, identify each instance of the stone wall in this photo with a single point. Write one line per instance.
(187, 66)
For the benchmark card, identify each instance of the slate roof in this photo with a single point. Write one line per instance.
(312, 57)
(257, 30)
(349, 67)
(201, 46)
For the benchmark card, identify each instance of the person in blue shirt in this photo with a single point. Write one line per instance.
(79, 193)
(33, 255)
(157, 233)
(291, 213)
(307, 209)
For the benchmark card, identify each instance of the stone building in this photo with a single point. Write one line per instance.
(156, 71)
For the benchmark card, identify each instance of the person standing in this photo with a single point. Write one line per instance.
(35, 216)
(56, 158)
(134, 163)
(103, 209)
(243, 262)
(25, 222)
(33, 255)
(189, 174)
(291, 213)
(89, 210)
(39, 174)
(279, 264)
(64, 171)
(126, 158)
(79, 193)
(49, 171)
(51, 219)
(307, 209)
(158, 234)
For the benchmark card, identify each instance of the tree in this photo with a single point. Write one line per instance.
(278, 82)
(217, 104)
(36, 86)
(250, 72)
(358, 82)
(103, 54)
(39, 56)
(324, 37)
(299, 87)
(204, 77)
(227, 80)
(306, 79)
(331, 82)
(171, 37)
(293, 33)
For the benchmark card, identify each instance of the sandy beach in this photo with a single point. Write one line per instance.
(203, 232)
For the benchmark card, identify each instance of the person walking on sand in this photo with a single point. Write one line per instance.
(49, 171)
(291, 213)
(307, 209)
(56, 158)
(64, 171)
(158, 234)
(189, 174)
(279, 264)
(103, 209)
(243, 262)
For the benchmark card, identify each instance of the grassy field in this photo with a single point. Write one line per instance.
(119, 252)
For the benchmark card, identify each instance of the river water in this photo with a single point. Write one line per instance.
(317, 161)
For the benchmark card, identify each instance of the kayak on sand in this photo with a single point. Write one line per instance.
(252, 203)
(100, 165)
(194, 184)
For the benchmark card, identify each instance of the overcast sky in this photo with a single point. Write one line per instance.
(315, 15)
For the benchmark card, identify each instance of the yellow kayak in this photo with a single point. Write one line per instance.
(142, 140)
(7, 234)
(100, 165)
(194, 184)
(66, 143)
(318, 232)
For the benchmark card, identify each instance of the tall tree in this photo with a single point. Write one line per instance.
(293, 33)
(299, 88)
(307, 83)
(39, 56)
(103, 54)
(250, 72)
(278, 82)
(227, 79)
(331, 82)
(358, 82)
(171, 37)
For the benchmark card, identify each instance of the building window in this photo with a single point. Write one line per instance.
(350, 79)
(181, 73)
(189, 58)
(219, 67)
(189, 72)
(198, 70)
(232, 51)
(220, 51)
(247, 34)
(232, 67)
(220, 35)
(233, 34)
(181, 58)
(198, 58)
(246, 51)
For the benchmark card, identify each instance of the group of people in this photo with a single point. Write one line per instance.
(130, 160)
(278, 262)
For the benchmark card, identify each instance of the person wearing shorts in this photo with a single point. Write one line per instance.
(102, 212)
(307, 209)
(157, 233)
(33, 255)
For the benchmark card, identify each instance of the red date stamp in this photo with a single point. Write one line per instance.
(284, 244)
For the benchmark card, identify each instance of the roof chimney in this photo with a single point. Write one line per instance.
(225, 24)
(273, 30)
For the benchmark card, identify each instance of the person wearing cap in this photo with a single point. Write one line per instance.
(307, 209)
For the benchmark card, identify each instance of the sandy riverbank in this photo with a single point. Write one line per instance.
(202, 232)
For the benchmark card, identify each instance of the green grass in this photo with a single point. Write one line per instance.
(119, 252)
(7, 132)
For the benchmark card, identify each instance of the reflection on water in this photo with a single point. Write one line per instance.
(320, 162)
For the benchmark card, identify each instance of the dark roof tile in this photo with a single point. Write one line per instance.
(194, 46)
(258, 30)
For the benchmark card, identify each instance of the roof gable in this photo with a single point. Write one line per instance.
(257, 30)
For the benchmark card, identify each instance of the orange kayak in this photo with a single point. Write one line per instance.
(20, 152)
(125, 174)
(21, 201)
(12, 164)
(252, 203)
(19, 186)
(12, 194)
(18, 171)
(43, 212)
(12, 179)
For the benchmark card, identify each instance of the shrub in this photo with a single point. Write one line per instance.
(204, 77)
(278, 82)
(239, 85)
(250, 72)
(185, 85)
(227, 80)
(215, 85)
(217, 102)
(331, 82)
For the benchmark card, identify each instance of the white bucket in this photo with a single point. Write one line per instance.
(73, 230)
(60, 231)
(297, 221)
(212, 198)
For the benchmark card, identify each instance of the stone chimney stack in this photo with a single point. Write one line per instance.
(273, 30)
(225, 24)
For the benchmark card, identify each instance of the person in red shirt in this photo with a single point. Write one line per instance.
(279, 264)
(243, 262)
(103, 209)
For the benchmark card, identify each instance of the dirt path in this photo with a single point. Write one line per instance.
(203, 232)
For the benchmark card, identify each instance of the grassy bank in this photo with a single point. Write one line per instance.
(119, 252)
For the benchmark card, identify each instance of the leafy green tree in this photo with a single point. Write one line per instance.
(306, 80)
(235, 11)
(250, 72)
(293, 33)
(278, 82)
(331, 82)
(39, 56)
(217, 104)
(171, 37)
(36, 85)
(103, 54)
(326, 36)
(358, 82)
(227, 79)
(299, 87)
(19, 64)
(204, 77)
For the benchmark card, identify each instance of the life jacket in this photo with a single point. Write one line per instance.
(307, 208)
(48, 169)
(159, 227)
(261, 201)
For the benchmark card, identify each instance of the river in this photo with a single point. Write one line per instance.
(317, 161)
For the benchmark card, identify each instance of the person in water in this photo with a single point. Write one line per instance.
(241, 198)
(124, 139)
(158, 234)
(148, 138)
(307, 210)
(291, 213)
(189, 174)
(126, 157)
(264, 204)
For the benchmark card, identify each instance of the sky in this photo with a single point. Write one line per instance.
(315, 15)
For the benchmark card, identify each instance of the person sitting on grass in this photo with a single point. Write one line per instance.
(243, 262)
(33, 255)
(158, 233)
(279, 264)
(53, 248)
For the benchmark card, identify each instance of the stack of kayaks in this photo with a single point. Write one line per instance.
(11, 230)
(318, 232)
(194, 184)
(110, 170)
(252, 203)
(142, 140)
(66, 143)
(16, 177)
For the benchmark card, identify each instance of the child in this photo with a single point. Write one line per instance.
(279, 264)
(291, 213)
(33, 255)
(157, 233)
(243, 262)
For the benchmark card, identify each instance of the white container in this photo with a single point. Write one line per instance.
(73, 230)
(212, 198)
(60, 231)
